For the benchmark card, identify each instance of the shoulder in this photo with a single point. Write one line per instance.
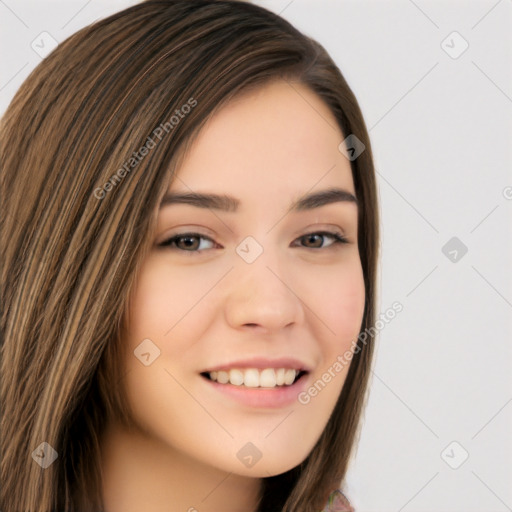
(338, 502)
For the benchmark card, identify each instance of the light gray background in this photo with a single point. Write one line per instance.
(441, 134)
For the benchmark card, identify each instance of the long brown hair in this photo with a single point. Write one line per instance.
(75, 228)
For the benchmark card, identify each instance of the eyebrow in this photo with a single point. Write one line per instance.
(227, 203)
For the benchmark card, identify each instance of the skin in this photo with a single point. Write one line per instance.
(299, 298)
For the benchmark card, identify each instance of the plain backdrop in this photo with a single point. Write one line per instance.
(434, 82)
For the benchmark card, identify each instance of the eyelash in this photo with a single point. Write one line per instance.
(170, 242)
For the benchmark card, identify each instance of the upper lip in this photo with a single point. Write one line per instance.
(262, 363)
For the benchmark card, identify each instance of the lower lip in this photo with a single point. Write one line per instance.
(269, 398)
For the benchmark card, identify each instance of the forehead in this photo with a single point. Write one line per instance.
(275, 141)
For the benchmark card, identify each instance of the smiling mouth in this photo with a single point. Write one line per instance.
(256, 378)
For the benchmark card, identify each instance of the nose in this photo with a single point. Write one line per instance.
(262, 296)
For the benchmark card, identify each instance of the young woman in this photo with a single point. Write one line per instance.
(189, 247)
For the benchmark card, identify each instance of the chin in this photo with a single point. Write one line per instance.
(268, 465)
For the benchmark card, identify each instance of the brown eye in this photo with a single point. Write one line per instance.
(316, 240)
(189, 242)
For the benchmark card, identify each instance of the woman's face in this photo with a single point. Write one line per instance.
(257, 287)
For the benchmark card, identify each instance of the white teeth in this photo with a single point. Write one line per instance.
(289, 377)
(268, 378)
(222, 377)
(253, 378)
(236, 377)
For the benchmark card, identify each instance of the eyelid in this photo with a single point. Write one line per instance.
(336, 235)
(166, 243)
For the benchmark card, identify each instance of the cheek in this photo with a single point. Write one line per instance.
(338, 299)
(164, 301)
